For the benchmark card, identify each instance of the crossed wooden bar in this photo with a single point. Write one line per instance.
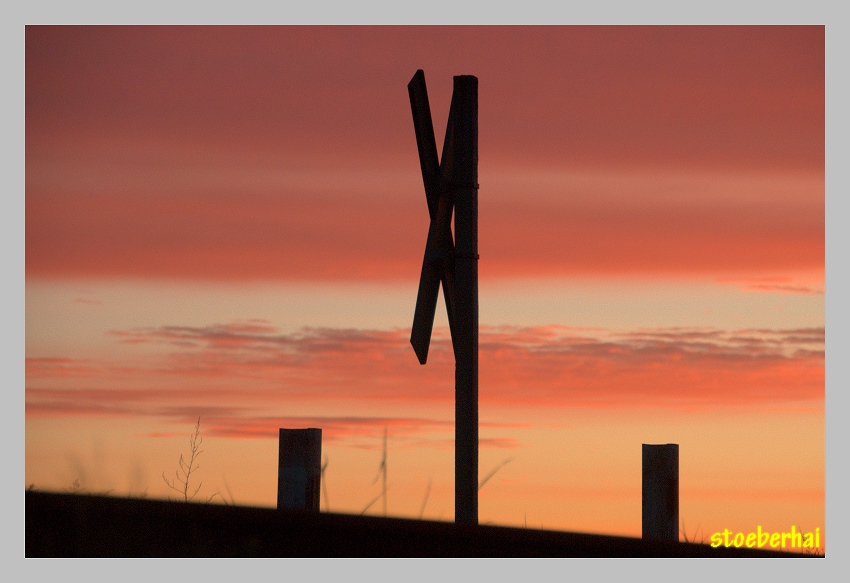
(451, 187)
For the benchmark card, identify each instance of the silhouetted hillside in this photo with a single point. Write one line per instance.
(68, 525)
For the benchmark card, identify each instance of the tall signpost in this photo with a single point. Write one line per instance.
(451, 186)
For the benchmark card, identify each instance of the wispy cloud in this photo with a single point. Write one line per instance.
(235, 373)
(58, 367)
(87, 301)
(242, 422)
(781, 284)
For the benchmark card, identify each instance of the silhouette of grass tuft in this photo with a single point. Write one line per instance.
(182, 476)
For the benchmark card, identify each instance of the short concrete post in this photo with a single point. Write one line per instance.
(299, 478)
(661, 492)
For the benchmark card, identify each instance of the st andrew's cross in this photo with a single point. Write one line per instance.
(451, 185)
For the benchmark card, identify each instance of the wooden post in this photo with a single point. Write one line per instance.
(661, 492)
(299, 469)
(461, 165)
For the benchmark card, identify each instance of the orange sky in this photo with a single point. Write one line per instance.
(229, 223)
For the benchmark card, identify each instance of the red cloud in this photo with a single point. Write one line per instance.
(234, 374)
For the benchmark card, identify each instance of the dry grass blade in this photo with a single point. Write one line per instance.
(369, 505)
(325, 485)
(692, 539)
(493, 472)
(425, 501)
(182, 476)
(382, 472)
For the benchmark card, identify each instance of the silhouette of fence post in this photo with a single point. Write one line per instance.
(661, 492)
(462, 167)
(299, 469)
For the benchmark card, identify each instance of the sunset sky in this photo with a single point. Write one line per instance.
(229, 223)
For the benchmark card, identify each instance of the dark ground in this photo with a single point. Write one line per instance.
(72, 525)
